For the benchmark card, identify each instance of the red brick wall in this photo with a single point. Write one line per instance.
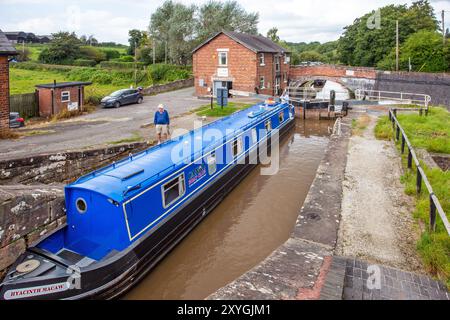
(45, 100)
(241, 65)
(332, 71)
(4, 93)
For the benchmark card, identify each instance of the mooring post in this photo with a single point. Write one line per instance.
(397, 133)
(304, 109)
(432, 214)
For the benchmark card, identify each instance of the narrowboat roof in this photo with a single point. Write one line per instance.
(123, 179)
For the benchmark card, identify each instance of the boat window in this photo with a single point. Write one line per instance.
(212, 163)
(236, 146)
(281, 117)
(173, 190)
(254, 136)
(268, 125)
(81, 205)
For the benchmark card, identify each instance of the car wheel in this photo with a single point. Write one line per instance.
(117, 104)
(140, 100)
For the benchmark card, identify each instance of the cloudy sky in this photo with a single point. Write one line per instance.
(110, 20)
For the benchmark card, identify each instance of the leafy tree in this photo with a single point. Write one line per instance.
(215, 16)
(91, 53)
(311, 56)
(364, 45)
(272, 34)
(63, 49)
(135, 39)
(427, 53)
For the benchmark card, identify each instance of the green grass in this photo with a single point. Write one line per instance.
(431, 133)
(218, 112)
(136, 137)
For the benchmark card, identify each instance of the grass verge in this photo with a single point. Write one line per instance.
(360, 125)
(218, 112)
(136, 137)
(431, 133)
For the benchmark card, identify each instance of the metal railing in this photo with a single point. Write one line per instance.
(398, 97)
(435, 206)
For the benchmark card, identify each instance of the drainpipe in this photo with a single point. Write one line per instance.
(53, 97)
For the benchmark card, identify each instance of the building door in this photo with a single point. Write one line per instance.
(222, 85)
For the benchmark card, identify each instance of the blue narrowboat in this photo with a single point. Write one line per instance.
(124, 218)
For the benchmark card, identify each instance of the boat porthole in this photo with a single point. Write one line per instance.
(81, 205)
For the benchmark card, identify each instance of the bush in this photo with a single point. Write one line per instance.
(91, 53)
(121, 65)
(43, 67)
(126, 59)
(85, 63)
(23, 55)
(111, 54)
(167, 73)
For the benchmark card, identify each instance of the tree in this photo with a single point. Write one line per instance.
(63, 49)
(135, 39)
(364, 45)
(426, 51)
(272, 34)
(215, 16)
(311, 56)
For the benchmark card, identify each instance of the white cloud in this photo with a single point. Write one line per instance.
(110, 20)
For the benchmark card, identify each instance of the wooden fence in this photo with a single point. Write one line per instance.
(26, 104)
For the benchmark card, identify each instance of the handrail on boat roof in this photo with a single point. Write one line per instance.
(133, 188)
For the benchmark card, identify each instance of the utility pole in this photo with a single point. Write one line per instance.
(165, 52)
(135, 63)
(443, 26)
(154, 50)
(397, 51)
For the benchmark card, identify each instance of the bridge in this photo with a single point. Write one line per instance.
(436, 85)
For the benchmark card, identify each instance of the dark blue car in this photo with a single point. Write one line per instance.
(122, 97)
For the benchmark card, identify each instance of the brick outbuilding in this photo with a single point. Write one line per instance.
(6, 50)
(242, 62)
(56, 97)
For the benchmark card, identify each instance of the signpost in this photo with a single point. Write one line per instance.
(222, 97)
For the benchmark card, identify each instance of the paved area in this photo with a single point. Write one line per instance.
(353, 279)
(100, 127)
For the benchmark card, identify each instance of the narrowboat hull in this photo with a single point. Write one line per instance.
(111, 278)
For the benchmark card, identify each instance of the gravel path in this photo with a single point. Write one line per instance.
(377, 224)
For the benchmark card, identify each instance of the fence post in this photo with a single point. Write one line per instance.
(397, 133)
(403, 143)
(419, 181)
(409, 158)
(432, 214)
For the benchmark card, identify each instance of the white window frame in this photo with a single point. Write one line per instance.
(220, 58)
(262, 60)
(240, 147)
(254, 136)
(211, 162)
(262, 80)
(65, 94)
(181, 190)
(277, 64)
(287, 59)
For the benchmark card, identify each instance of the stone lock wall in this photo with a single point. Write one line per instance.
(32, 194)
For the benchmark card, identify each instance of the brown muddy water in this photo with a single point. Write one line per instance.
(254, 220)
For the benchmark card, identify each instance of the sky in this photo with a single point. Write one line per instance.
(110, 20)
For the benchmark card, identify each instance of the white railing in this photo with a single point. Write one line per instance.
(394, 97)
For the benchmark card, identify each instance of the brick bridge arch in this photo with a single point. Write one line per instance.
(351, 78)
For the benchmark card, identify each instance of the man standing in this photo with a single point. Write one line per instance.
(162, 122)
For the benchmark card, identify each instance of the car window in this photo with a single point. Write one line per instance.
(118, 93)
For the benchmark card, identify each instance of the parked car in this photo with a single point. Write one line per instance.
(123, 97)
(15, 121)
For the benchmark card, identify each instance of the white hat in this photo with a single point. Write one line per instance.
(161, 106)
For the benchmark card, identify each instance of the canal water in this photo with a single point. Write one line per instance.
(253, 221)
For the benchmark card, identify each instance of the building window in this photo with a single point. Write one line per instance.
(285, 77)
(277, 64)
(236, 147)
(261, 60)
(281, 117)
(287, 59)
(223, 59)
(65, 96)
(268, 125)
(173, 190)
(254, 135)
(262, 84)
(212, 163)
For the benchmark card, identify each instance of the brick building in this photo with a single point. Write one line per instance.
(241, 62)
(56, 97)
(6, 50)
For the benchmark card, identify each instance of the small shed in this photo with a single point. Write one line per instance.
(56, 97)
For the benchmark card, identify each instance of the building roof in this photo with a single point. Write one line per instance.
(255, 43)
(6, 47)
(63, 84)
